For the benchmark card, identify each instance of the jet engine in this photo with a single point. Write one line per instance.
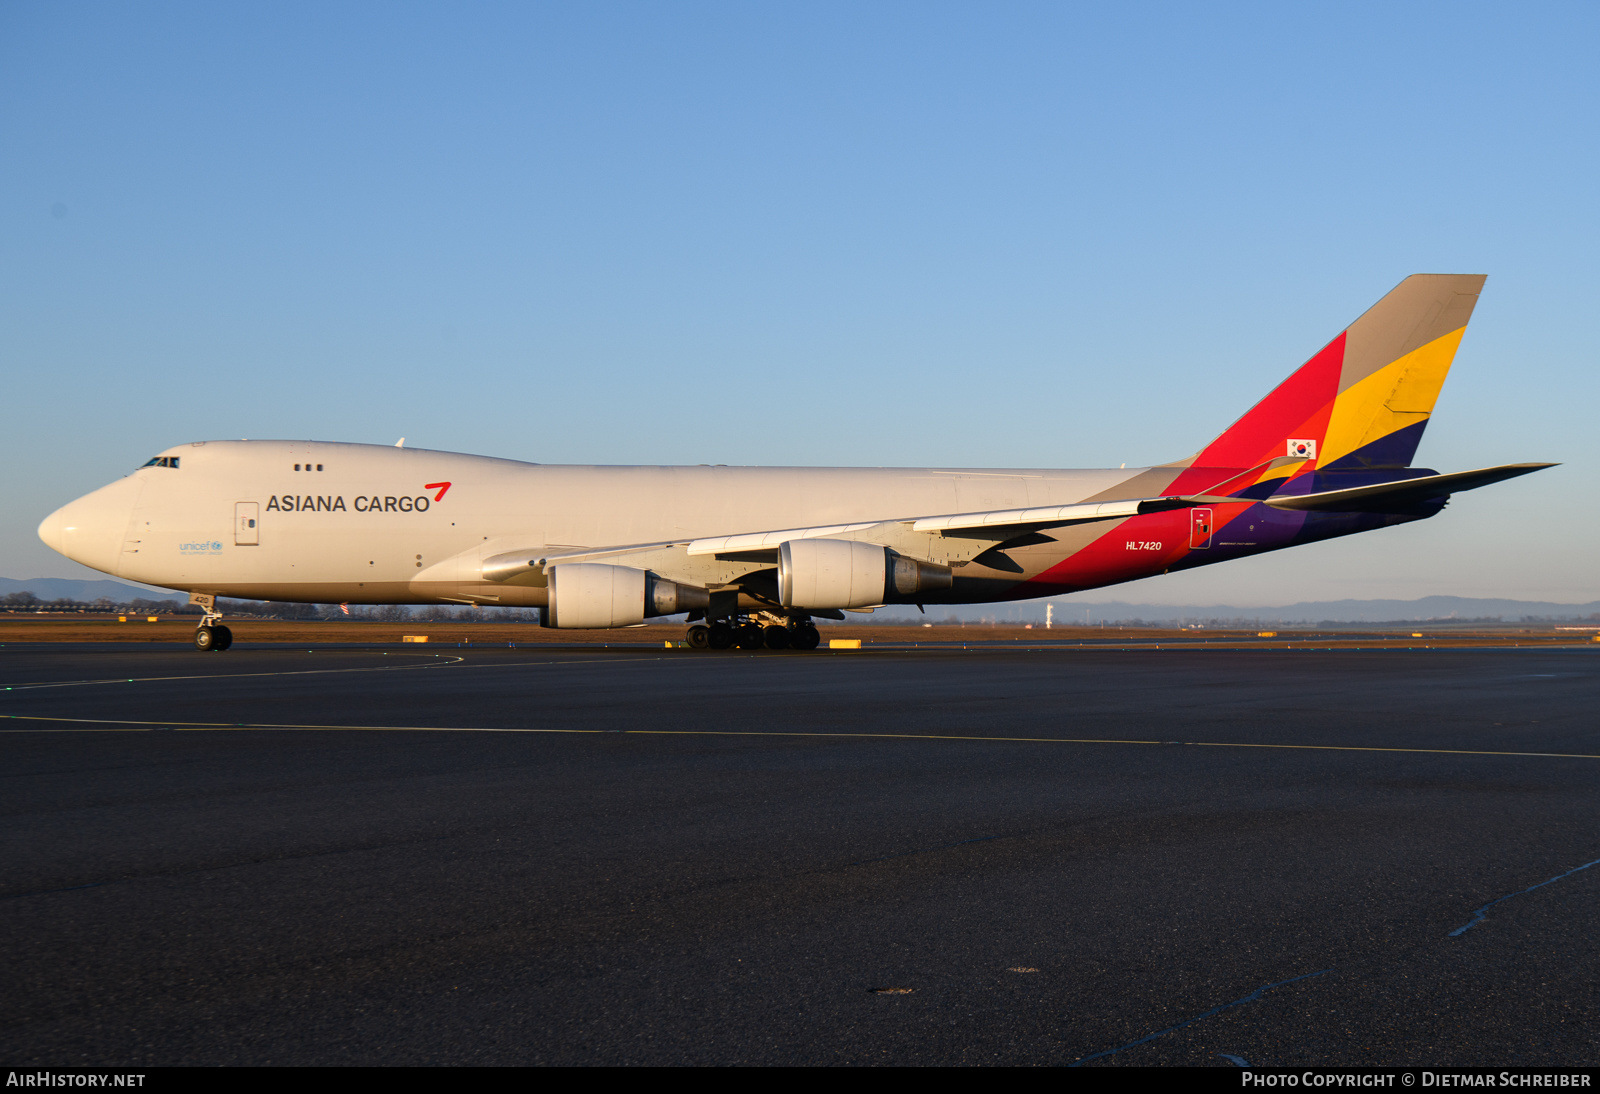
(845, 573)
(909, 576)
(594, 594)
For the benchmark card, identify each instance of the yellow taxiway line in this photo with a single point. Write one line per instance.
(137, 726)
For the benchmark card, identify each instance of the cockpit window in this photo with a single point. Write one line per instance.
(161, 461)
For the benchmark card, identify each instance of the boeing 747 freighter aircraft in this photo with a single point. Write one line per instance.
(754, 554)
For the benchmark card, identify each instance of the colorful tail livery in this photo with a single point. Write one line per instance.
(752, 554)
(1326, 454)
(1365, 398)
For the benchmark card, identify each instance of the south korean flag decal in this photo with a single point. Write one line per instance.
(1303, 450)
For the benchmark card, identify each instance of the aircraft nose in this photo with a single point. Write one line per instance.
(91, 529)
(52, 529)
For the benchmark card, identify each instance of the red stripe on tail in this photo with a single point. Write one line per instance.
(1297, 408)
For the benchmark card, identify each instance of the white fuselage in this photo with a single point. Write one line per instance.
(375, 525)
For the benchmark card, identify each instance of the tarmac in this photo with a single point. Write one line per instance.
(580, 855)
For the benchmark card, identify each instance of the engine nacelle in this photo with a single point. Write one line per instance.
(846, 573)
(598, 595)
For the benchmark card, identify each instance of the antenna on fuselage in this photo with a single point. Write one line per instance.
(401, 443)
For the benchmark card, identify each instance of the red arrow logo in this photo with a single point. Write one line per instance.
(439, 486)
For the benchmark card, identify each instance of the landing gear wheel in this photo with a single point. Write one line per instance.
(205, 639)
(222, 637)
(699, 637)
(776, 637)
(720, 636)
(747, 637)
(805, 637)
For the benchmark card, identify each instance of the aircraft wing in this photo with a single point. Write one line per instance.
(510, 564)
(1057, 515)
(771, 541)
(906, 534)
(954, 538)
(1404, 492)
(1002, 523)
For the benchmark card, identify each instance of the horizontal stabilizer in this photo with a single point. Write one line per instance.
(1387, 495)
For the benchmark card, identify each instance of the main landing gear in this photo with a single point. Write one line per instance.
(211, 635)
(764, 630)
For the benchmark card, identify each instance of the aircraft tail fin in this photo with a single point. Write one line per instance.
(1365, 398)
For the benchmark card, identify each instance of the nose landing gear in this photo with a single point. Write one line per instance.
(217, 638)
(211, 635)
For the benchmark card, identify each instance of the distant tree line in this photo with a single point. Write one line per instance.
(376, 613)
(271, 610)
(474, 613)
(266, 609)
(27, 602)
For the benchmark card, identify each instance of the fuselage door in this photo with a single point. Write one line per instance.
(246, 523)
(1199, 529)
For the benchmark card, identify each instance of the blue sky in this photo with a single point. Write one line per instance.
(910, 234)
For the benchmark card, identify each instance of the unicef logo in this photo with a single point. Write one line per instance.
(201, 548)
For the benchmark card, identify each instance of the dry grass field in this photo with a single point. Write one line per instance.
(30, 628)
